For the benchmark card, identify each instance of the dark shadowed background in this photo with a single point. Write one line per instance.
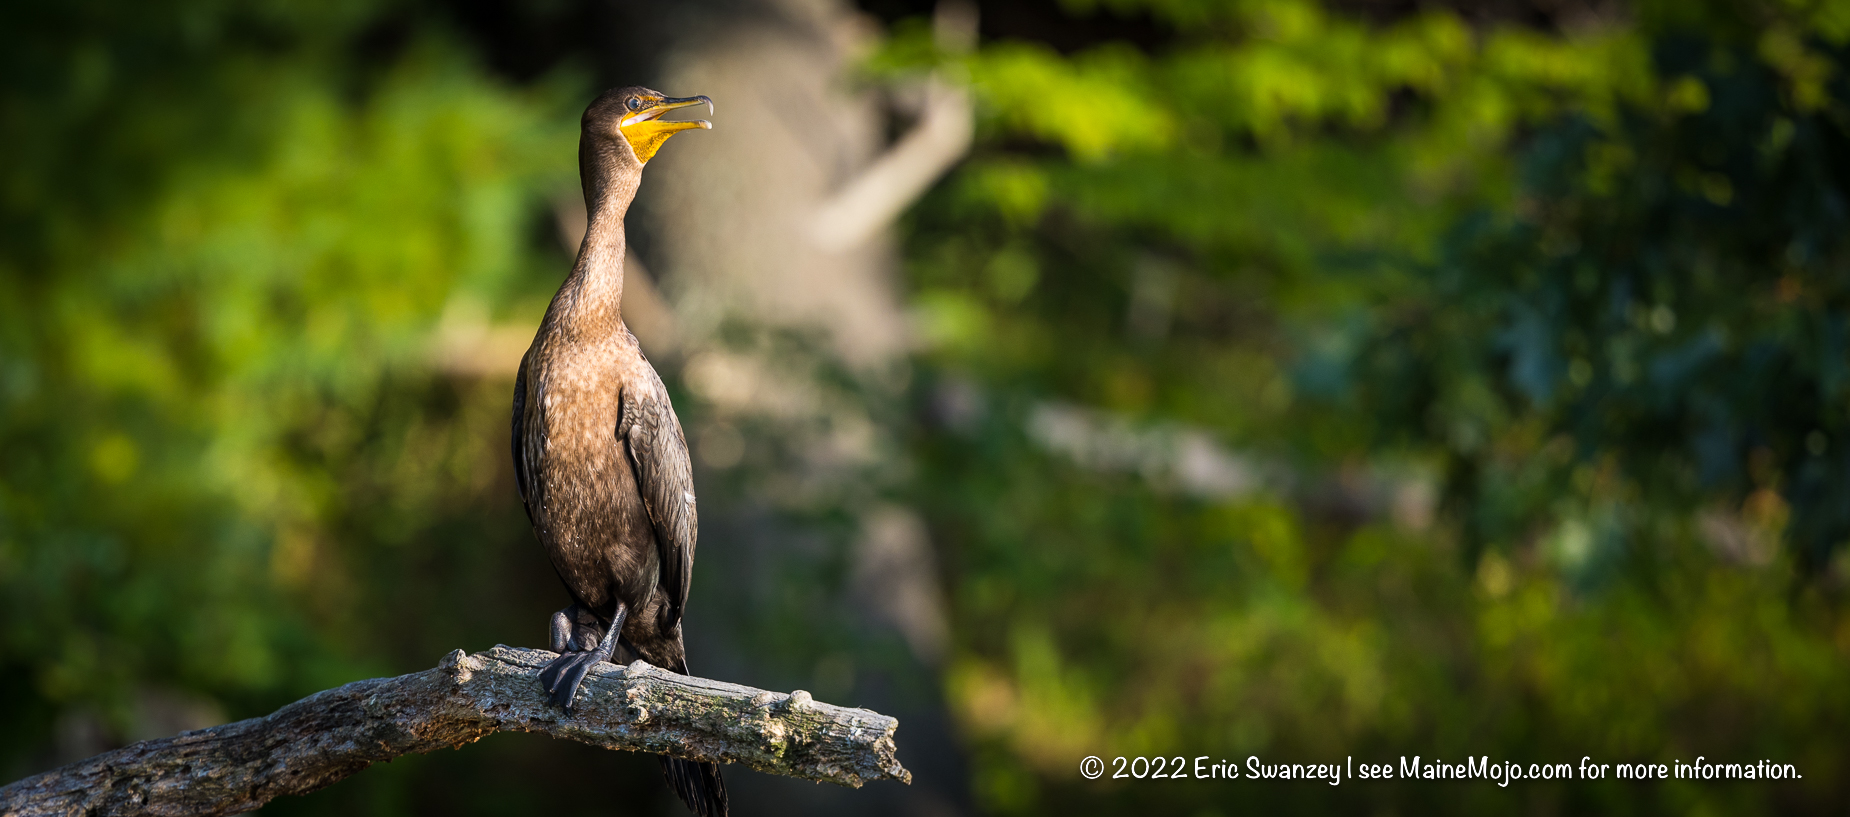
(1089, 377)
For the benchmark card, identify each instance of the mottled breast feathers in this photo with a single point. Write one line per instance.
(655, 449)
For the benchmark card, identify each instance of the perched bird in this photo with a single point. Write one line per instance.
(599, 456)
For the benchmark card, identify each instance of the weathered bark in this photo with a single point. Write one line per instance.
(321, 739)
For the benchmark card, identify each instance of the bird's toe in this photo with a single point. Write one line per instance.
(571, 677)
(555, 669)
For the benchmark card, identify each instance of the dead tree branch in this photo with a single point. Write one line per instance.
(321, 739)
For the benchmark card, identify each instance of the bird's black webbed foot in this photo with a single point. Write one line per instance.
(562, 676)
(555, 670)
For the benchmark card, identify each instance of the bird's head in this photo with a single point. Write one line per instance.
(633, 116)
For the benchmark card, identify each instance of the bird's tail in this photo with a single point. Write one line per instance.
(698, 785)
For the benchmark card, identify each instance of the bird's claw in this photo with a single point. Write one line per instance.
(549, 674)
(562, 677)
(573, 632)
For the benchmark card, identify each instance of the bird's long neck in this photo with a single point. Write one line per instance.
(589, 304)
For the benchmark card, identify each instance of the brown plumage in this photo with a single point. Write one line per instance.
(599, 456)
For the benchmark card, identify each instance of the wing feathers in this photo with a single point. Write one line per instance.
(658, 451)
(519, 436)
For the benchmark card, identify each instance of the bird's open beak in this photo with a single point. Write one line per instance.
(646, 131)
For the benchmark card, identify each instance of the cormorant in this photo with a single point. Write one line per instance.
(599, 456)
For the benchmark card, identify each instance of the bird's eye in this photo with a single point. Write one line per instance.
(635, 104)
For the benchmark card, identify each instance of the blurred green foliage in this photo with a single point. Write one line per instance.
(1528, 345)
(1586, 287)
(227, 243)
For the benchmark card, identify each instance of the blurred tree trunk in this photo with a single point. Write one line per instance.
(771, 238)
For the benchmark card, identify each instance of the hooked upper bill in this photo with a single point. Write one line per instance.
(647, 131)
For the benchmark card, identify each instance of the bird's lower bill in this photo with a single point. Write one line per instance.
(647, 133)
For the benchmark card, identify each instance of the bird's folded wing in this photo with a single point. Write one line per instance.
(521, 470)
(658, 451)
